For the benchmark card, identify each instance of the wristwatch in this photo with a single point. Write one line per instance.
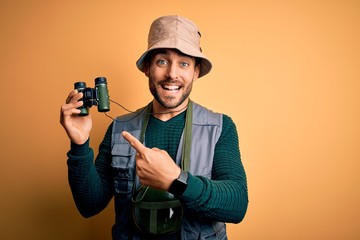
(179, 185)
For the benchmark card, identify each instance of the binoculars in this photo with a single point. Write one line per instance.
(98, 96)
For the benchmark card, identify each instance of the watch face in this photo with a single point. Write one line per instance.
(179, 185)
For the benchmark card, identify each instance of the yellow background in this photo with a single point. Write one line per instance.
(287, 72)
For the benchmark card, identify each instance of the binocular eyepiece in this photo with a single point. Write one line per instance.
(99, 96)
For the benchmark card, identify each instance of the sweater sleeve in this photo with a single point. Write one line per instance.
(90, 181)
(224, 197)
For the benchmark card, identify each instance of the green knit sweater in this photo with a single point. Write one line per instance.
(222, 198)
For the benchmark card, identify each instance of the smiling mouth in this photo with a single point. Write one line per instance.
(171, 88)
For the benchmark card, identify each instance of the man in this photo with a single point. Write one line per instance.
(173, 166)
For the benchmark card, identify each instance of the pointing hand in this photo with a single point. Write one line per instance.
(154, 166)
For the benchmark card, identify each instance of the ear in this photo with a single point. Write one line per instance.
(147, 70)
(196, 72)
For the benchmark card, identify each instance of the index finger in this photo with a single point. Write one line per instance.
(134, 142)
(71, 95)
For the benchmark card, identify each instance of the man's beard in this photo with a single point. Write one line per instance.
(167, 101)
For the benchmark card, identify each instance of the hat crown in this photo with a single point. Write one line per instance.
(174, 28)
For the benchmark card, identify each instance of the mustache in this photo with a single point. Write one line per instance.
(170, 81)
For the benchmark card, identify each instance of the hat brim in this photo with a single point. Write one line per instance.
(182, 46)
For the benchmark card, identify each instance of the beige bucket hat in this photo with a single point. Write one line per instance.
(179, 33)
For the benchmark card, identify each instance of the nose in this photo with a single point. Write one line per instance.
(172, 71)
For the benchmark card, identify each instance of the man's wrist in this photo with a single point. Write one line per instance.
(79, 150)
(179, 185)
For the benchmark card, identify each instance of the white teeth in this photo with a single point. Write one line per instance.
(171, 88)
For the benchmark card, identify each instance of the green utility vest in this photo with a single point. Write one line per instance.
(206, 129)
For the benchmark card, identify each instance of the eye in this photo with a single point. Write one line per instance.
(184, 64)
(161, 62)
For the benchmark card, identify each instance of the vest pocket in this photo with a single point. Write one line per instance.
(122, 182)
(123, 163)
